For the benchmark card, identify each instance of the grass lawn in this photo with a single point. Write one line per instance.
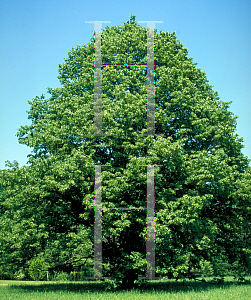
(154, 290)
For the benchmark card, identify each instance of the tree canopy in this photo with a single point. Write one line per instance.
(202, 186)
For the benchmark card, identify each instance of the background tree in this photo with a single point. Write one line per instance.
(37, 268)
(200, 187)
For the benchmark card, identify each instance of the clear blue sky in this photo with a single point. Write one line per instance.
(35, 37)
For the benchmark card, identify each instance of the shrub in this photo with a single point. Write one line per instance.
(19, 275)
(37, 268)
(61, 276)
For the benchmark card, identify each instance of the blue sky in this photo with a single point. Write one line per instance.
(35, 37)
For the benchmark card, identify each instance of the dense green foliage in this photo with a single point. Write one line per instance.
(202, 188)
(37, 268)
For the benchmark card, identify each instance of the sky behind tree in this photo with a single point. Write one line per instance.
(37, 35)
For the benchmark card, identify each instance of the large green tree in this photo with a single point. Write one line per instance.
(202, 186)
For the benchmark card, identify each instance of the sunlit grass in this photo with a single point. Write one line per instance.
(166, 289)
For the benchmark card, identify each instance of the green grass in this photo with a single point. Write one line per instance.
(164, 289)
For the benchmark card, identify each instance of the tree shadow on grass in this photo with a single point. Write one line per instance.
(60, 286)
(100, 286)
(188, 285)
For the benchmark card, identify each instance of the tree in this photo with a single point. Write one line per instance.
(40, 216)
(37, 268)
(199, 187)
